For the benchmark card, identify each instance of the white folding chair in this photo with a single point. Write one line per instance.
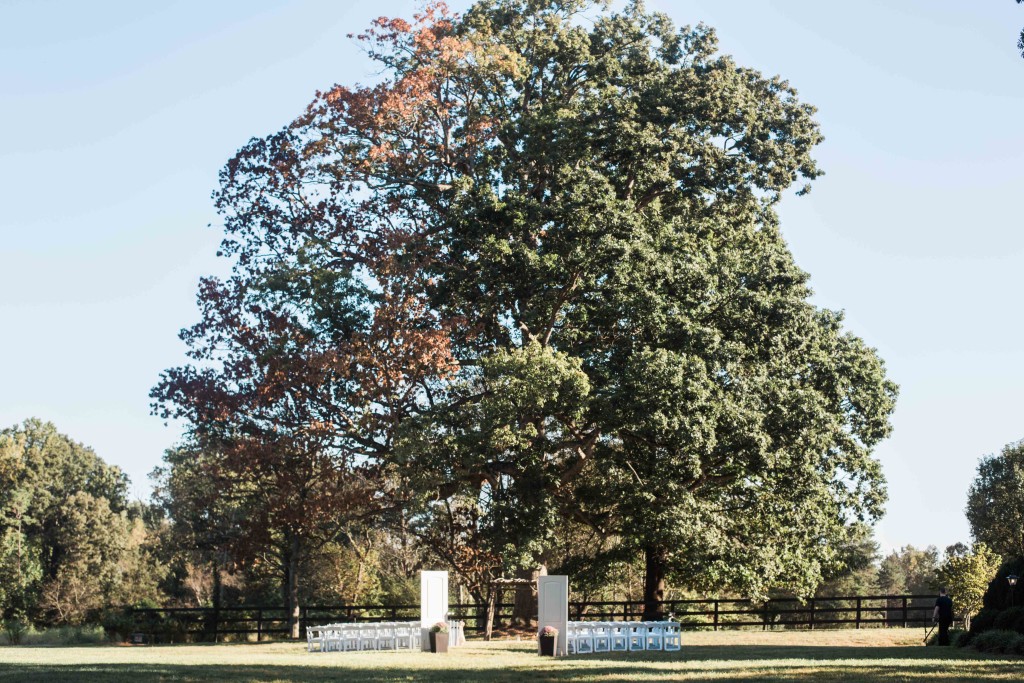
(655, 633)
(571, 632)
(314, 639)
(455, 636)
(386, 637)
(602, 637)
(637, 636)
(619, 636)
(348, 637)
(333, 639)
(403, 637)
(367, 637)
(585, 639)
(672, 637)
(417, 635)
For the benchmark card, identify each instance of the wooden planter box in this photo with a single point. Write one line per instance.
(438, 642)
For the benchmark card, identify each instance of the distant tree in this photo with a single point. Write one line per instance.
(93, 541)
(205, 523)
(957, 549)
(855, 570)
(1020, 41)
(70, 542)
(909, 570)
(995, 501)
(967, 576)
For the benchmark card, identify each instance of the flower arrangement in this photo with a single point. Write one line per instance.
(439, 627)
(549, 632)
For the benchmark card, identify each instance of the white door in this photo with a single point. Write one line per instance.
(553, 608)
(433, 602)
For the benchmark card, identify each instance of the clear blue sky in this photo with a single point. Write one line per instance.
(116, 116)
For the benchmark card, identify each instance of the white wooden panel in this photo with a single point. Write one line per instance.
(553, 608)
(433, 602)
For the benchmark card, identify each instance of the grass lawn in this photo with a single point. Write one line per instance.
(870, 655)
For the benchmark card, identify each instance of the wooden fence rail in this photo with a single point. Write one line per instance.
(177, 624)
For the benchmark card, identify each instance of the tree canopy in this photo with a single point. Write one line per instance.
(966, 575)
(69, 543)
(995, 501)
(1020, 41)
(535, 274)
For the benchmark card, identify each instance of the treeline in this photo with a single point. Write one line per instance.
(75, 550)
(71, 543)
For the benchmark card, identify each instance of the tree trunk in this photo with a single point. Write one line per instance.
(524, 608)
(215, 594)
(656, 559)
(291, 585)
(489, 622)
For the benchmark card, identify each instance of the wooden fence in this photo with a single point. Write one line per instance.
(866, 611)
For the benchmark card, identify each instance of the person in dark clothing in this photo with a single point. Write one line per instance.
(944, 615)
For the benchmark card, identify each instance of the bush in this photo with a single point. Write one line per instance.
(955, 635)
(1008, 619)
(65, 635)
(118, 624)
(15, 630)
(984, 619)
(999, 642)
(966, 639)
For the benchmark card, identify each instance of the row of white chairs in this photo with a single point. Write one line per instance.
(384, 635)
(588, 637)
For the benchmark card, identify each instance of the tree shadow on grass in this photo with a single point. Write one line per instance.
(971, 670)
(722, 663)
(707, 653)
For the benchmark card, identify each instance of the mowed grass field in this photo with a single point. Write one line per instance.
(869, 655)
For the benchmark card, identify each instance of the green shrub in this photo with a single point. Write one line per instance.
(965, 639)
(1007, 619)
(998, 642)
(982, 621)
(65, 635)
(118, 624)
(955, 635)
(15, 629)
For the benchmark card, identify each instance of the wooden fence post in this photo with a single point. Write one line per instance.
(904, 611)
(858, 612)
(259, 625)
(716, 614)
(812, 614)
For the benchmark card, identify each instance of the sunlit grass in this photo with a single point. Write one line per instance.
(873, 655)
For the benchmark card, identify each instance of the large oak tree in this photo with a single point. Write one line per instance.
(535, 273)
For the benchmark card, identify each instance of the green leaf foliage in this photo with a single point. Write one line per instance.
(967, 576)
(995, 501)
(574, 209)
